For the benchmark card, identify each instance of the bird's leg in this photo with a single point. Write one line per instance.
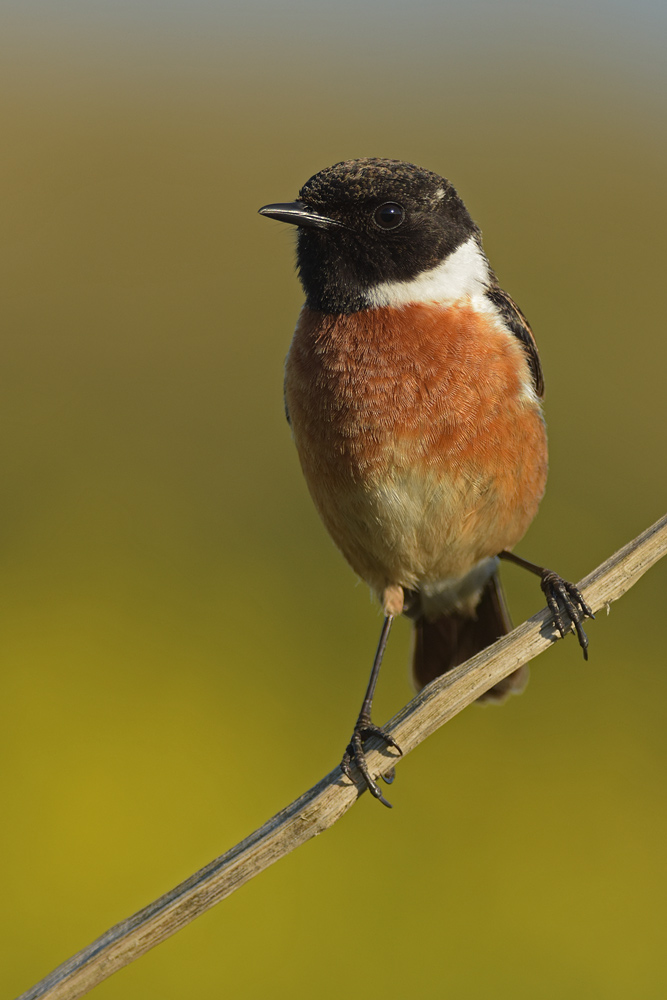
(565, 601)
(365, 728)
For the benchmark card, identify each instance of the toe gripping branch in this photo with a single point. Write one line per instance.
(565, 601)
(355, 752)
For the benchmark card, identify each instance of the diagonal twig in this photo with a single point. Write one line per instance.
(319, 808)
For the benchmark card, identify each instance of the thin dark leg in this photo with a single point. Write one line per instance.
(564, 600)
(367, 703)
(365, 728)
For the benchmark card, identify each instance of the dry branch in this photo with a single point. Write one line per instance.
(319, 808)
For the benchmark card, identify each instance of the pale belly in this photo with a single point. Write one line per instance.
(422, 529)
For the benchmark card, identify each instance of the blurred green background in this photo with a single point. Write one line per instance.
(183, 650)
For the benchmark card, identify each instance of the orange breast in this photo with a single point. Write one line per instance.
(421, 440)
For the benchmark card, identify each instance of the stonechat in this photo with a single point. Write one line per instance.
(414, 389)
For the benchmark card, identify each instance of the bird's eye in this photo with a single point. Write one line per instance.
(388, 216)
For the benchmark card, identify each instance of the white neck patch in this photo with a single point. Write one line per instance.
(464, 274)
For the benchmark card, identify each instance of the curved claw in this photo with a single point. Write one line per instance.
(355, 752)
(567, 606)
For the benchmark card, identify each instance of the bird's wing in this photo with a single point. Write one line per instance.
(518, 324)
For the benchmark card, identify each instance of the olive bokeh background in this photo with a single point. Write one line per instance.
(183, 650)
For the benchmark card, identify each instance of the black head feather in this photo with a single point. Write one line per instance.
(339, 262)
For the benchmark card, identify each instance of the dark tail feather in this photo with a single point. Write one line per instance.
(454, 638)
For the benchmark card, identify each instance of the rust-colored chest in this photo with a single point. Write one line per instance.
(418, 433)
(420, 382)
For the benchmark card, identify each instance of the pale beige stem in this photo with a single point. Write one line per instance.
(319, 808)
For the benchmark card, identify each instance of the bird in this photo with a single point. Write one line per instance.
(413, 387)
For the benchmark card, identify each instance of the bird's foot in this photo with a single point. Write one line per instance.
(567, 605)
(354, 753)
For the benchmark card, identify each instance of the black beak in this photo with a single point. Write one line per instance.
(297, 213)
